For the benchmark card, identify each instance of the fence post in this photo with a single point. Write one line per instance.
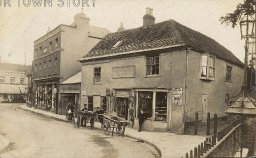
(186, 155)
(196, 123)
(214, 139)
(202, 148)
(199, 151)
(208, 126)
(191, 153)
(195, 152)
(215, 124)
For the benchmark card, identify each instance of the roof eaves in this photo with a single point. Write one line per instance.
(129, 52)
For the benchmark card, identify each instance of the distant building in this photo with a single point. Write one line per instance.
(13, 82)
(56, 56)
(168, 69)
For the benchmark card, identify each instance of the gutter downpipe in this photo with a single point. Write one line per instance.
(185, 89)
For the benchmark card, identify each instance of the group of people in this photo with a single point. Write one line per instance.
(73, 112)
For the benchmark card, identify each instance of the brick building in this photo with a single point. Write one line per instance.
(56, 56)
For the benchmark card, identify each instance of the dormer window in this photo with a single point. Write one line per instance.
(117, 44)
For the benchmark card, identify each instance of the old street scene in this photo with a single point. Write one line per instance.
(122, 79)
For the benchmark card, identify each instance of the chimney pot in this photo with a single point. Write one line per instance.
(148, 18)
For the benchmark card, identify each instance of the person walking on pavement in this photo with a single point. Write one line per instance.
(141, 116)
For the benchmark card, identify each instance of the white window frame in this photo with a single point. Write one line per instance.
(97, 79)
(208, 67)
(146, 64)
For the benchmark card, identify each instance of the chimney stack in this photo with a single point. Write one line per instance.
(121, 28)
(148, 18)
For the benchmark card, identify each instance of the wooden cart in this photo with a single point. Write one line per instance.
(113, 124)
(89, 116)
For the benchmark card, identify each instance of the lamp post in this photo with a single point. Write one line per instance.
(245, 105)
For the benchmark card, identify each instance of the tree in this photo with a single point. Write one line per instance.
(245, 8)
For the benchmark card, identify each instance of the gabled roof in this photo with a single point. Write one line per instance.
(73, 79)
(158, 36)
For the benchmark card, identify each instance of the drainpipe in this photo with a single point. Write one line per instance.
(185, 89)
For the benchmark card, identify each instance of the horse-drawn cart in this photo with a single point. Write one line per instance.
(87, 117)
(113, 124)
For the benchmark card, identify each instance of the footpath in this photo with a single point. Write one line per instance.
(169, 145)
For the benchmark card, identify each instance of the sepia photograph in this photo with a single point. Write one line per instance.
(127, 78)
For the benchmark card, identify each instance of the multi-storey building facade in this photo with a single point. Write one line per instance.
(13, 82)
(56, 55)
(168, 69)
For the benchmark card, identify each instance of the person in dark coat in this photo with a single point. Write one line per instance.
(141, 116)
(83, 119)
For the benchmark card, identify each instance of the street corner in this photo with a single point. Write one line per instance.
(4, 143)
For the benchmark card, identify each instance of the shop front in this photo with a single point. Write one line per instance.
(155, 106)
(46, 96)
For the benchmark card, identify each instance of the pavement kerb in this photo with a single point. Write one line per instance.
(4, 143)
(147, 142)
(127, 135)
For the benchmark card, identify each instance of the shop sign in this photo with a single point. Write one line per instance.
(177, 96)
(83, 94)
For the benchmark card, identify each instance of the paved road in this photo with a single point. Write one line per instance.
(37, 136)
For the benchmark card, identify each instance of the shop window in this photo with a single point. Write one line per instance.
(161, 106)
(97, 75)
(207, 67)
(229, 74)
(145, 101)
(152, 65)
(90, 103)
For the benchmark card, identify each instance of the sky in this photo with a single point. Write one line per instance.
(21, 24)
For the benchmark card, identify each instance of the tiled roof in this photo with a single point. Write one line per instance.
(164, 34)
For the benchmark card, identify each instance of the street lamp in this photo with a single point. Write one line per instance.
(247, 26)
(245, 105)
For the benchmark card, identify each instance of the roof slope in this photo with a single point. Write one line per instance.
(73, 79)
(163, 34)
(15, 67)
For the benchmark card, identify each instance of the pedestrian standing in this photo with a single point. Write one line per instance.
(141, 116)
(83, 119)
(76, 122)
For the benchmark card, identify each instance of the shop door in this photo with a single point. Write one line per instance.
(64, 101)
(122, 107)
(145, 101)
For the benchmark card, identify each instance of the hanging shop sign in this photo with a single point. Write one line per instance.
(177, 96)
